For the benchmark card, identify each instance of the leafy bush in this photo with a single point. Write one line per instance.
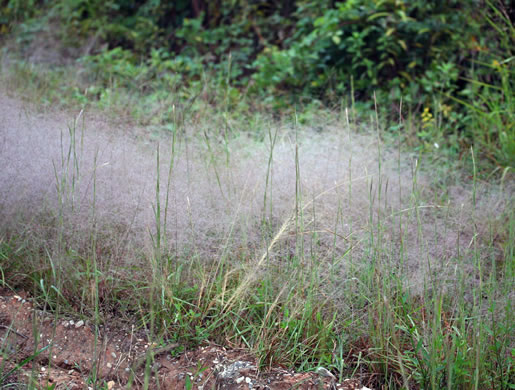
(16, 11)
(441, 59)
(380, 43)
(449, 62)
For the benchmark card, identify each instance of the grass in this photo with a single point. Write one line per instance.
(308, 249)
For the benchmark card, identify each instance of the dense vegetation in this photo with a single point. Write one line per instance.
(401, 278)
(444, 67)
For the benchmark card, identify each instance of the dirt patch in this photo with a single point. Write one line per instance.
(68, 355)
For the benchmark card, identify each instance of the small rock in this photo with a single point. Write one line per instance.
(234, 369)
(247, 380)
(109, 365)
(72, 322)
(79, 324)
(324, 372)
(113, 355)
(110, 385)
(240, 379)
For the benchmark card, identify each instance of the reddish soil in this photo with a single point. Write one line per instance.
(70, 360)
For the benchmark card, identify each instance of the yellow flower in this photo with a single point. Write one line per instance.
(426, 115)
(427, 118)
(497, 65)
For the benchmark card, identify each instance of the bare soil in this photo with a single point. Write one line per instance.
(73, 358)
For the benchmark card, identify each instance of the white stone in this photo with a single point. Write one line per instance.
(322, 371)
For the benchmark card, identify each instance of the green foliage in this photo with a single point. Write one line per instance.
(15, 11)
(375, 42)
(426, 54)
(449, 63)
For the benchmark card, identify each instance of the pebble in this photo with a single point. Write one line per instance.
(79, 324)
(322, 371)
(240, 379)
(110, 385)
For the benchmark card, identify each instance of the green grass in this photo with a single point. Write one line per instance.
(351, 306)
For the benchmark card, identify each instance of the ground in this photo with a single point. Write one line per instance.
(69, 359)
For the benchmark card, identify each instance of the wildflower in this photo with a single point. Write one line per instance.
(497, 65)
(446, 110)
(426, 115)
(427, 118)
